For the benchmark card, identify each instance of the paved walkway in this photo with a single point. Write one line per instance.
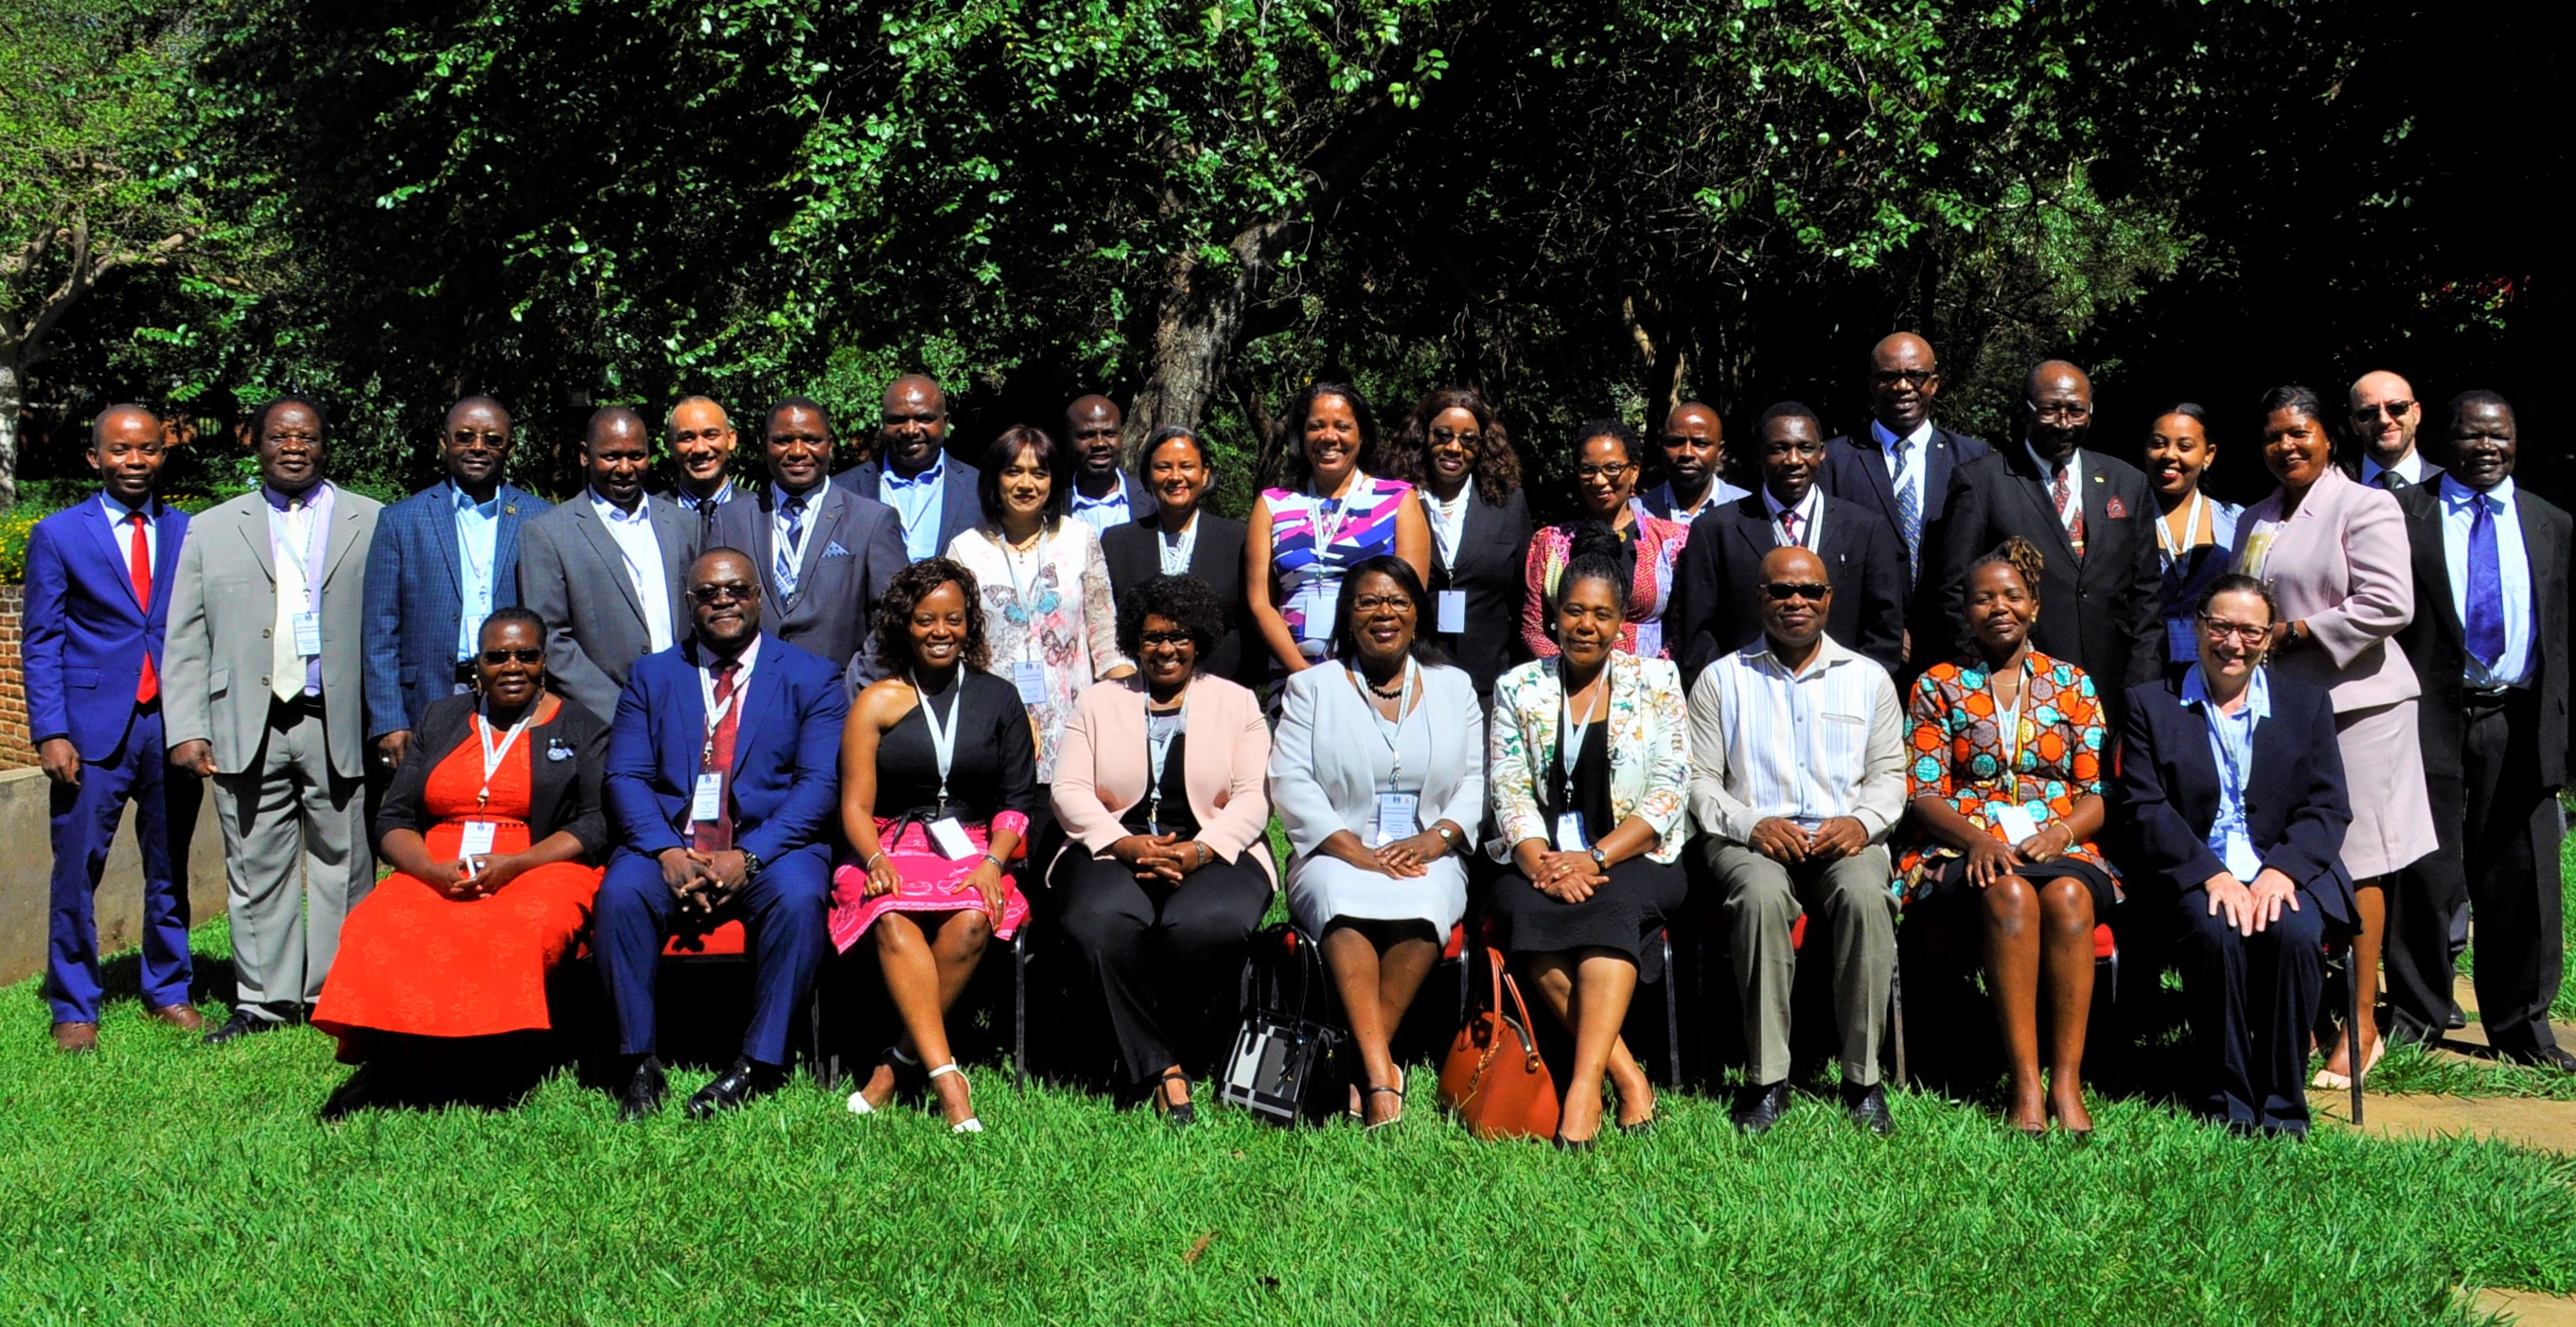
(2529, 1308)
(2548, 1126)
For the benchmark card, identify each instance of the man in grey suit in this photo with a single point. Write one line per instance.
(604, 569)
(825, 552)
(272, 586)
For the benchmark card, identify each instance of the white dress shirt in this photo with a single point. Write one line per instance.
(1806, 747)
(478, 542)
(642, 550)
(2409, 467)
(2074, 483)
(2513, 571)
(117, 512)
(1910, 476)
(1811, 513)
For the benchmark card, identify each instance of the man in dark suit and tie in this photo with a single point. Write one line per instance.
(1899, 469)
(826, 552)
(443, 559)
(721, 787)
(2091, 517)
(932, 492)
(2385, 415)
(2489, 644)
(1713, 612)
(702, 444)
(604, 570)
(99, 580)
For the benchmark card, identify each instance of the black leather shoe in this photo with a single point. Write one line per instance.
(747, 1081)
(240, 1025)
(643, 1093)
(2554, 1057)
(2458, 1018)
(357, 1094)
(1757, 1108)
(1868, 1108)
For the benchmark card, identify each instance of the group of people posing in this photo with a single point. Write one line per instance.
(1822, 682)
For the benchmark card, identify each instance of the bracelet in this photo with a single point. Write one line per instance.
(873, 858)
(1204, 855)
(997, 863)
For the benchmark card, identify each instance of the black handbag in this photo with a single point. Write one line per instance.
(1286, 1064)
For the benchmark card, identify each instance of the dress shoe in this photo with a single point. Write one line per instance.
(2457, 1019)
(1868, 1108)
(181, 1016)
(240, 1025)
(356, 1094)
(1757, 1108)
(747, 1081)
(76, 1038)
(643, 1093)
(2549, 1057)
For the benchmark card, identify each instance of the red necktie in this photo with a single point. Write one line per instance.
(138, 564)
(2063, 489)
(1789, 525)
(718, 836)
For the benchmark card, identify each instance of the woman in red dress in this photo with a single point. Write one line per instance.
(491, 826)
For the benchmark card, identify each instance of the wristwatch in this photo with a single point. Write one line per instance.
(1448, 836)
(750, 865)
(1599, 858)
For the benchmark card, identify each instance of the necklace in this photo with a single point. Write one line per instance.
(1390, 693)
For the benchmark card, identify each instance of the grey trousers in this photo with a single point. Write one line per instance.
(291, 818)
(1759, 899)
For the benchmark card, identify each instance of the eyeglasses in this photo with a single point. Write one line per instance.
(1173, 639)
(1445, 437)
(2393, 409)
(1382, 603)
(468, 437)
(2244, 631)
(732, 593)
(1811, 591)
(1914, 378)
(496, 658)
(2064, 412)
(1609, 472)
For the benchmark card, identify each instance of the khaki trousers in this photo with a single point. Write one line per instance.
(1759, 899)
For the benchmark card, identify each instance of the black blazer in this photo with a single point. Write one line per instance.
(1712, 613)
(1134, 554)
(1856, 472)
(1493, 559)
(2099, 612)
(563, 792)
(2296, 809)
(2437, 643)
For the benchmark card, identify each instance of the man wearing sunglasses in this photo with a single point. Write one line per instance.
(1899, 469)
(604, 569)
(723, 795)
(442, 560)
(2385, 415)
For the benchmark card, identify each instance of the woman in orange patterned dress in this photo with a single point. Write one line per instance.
(491, 826)
(2006, 778)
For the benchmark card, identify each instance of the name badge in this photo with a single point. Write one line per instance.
(1453, 612)
(477, 839)
(308, 635)
(950, 837)
(1569, 832)
(1030, 677)
(2182, 644)
(706, 801)
(2015, 822)
(1395, 813)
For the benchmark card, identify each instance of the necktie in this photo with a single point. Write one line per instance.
(717, 836)
(2391, 480)
(789, 542)
(2486, 586)
(1909, 508)
(138, 565)
(2063, 489)
(285, 666)
(1789, 526)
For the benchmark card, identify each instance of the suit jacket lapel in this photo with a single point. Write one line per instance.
(1756, 534)
(254, 532)
(763, 710)
(1939, 459)
(93, 517)
(344, 536)
(604, 547)
(165, 563)
(1873, 465)
(823, 519)
(2100, 527)
(2035, 489)
(505, 546)
(442, 532)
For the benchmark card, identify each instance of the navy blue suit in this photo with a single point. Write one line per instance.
(2252, 999)
(786, 795)
(416, 596)
(1856, 472)
(85, 640)
(959, 509)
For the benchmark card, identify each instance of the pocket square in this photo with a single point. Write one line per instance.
(834, 550)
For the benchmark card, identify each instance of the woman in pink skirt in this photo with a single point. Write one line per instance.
(938, 776)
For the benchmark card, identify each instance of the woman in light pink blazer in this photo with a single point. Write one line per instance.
(1166, 867)
(2336, 556)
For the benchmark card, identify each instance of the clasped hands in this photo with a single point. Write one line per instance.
(1404, 859)
(703, 881)
(1790, 844)
(2250, 908)
(985, 880)
(477, 877)
(1991, 859)
(1160, 858)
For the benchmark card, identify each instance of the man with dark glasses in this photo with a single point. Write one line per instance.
(2385, 415)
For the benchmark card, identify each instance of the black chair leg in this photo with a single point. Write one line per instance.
(1672, 1015)
(2352, 1024)
(1020, 1011)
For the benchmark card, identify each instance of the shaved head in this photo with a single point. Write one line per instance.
(470, 404)
(1903, 380)
(120, 418)
(2385, 414)
(2049, 372)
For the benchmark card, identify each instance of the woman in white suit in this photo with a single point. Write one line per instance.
(1379, 783)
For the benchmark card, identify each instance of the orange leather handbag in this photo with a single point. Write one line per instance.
(1493, 1079)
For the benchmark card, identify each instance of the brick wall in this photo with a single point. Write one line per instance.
(15, 750)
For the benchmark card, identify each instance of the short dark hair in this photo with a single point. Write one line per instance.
(1187, 600)
(1497, 468)
(2190, 410)
(609, 414)
(2296, 399)
(786, 403)
(893, 614)
(98, 426)
(1593, 552)
(519, 613)
(1630, 441)
(2475, 396)
(259, 417)
(1172, 433)
(1303, 404)
(1786, 410)
(2237, 582)
(1346, 642)
(1003, 450)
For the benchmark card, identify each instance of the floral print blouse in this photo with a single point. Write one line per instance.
(1657, 544)
(1961, 753)
(1050, 607)
(1649, 753)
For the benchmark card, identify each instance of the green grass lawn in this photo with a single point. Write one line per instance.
(158, 1182)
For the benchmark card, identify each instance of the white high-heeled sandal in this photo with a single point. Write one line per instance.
(859, 1099)
(970, 1124)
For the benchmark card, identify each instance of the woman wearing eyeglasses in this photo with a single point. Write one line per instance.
(2336, 558)
(1605, 478)
(2195, 533)
(2006, 782)
(1454, 448)
(2233, 778)
(491, 827)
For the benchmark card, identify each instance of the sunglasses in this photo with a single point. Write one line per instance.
(498, 657)
(1167, 638)
(1811, 591)
(1914, 378)
(712, 595)
(2394, 410)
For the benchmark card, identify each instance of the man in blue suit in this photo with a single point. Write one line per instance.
(722, 785)
(443, 559)
(99, 577)
(912, 471)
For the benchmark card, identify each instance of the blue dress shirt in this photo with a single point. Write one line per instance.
(916, 500)
(478, 542)
(2231, 745)
(2513, 566)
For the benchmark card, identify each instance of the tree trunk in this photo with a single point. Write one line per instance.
(1196, 327)
(13, 410)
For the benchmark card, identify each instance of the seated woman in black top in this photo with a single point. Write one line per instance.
(1165, 869)
(938, 777)
(2235, 781)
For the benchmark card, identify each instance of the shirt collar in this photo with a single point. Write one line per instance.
(749, 656)
(1806, 506)
(610, 511)
(1115, 497)
(2410, 467)
(2457, 494)
(936, 473)
(2074, 462)
(2258, 693)
(280, 502)
(693, 501)
(1829, 652)
(1921, 437)
(118, 511)
(811, 498)
(463, 501)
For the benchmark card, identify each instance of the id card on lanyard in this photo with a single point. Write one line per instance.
(945, 833)
(1027, 675)
(1397, 812)
(1570, 735)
